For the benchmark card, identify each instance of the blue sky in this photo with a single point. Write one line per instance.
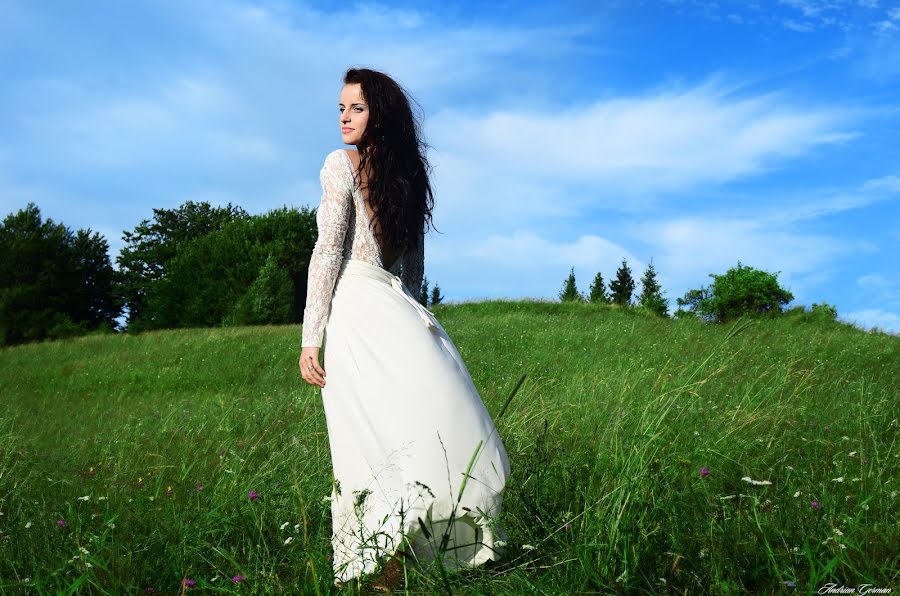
(563, 134)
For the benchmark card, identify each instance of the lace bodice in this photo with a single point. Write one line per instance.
(345, 233)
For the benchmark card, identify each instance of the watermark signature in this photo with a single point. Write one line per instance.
(860, 589)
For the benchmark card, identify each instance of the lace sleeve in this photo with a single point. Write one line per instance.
(414, 266)
(332, 220)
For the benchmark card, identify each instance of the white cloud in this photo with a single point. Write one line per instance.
(690, 248)
(527, 263)
(663, 142)
(877, 281)
(871, 318)
(885, 26)
(815, 203)
(799, 26)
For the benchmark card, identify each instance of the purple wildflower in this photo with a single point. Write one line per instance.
(252, 495)
(815, 505)
(188, 582)
(704, 472)
(567, 525)
(61, 523)
(237, 578)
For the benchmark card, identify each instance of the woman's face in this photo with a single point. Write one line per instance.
(354, 114)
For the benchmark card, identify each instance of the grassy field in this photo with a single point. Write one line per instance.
(647, 456)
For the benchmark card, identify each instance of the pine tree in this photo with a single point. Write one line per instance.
(651, 294)
(436, 297)
(622, 286)
(598, 290)
(569, 292)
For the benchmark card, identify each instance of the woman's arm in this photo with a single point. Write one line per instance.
(332, 220)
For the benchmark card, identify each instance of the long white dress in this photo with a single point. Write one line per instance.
(405, 421)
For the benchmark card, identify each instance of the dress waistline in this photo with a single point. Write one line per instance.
(359, 267)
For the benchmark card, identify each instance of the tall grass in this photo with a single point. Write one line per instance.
(629, 440)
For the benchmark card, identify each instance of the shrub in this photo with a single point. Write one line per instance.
(269, 299)
(742, 290)
(824, 311)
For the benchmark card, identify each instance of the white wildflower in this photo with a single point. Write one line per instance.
(851, 454)
(28, 525)
(696, 433)
(83, 550)
(284, 525)
(289, 540)
(88, 564)
(296, 527)
(101, 498)
(796, 494)
(838, 479)
(845, 438)
(791, 468)
(854, 480)
(838, 532)
(842, 545)
(755, 482)
(527, 547)
(85, 498)
(894, 494)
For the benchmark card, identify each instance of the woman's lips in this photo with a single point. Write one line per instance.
(346, 129)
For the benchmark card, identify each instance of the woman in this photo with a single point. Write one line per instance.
(405, 422)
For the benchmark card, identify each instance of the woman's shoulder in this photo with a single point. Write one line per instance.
(336, 157)
(337, 164)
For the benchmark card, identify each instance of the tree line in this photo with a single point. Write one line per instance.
(201, 266)
(192, 266)
(741, 291)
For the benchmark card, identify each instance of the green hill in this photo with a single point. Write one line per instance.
(147, 447)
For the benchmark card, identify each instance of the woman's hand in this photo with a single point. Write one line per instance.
(309, 366)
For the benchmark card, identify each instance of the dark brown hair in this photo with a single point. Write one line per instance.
(399, 190)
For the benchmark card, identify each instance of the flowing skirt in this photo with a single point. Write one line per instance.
(405, 425)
